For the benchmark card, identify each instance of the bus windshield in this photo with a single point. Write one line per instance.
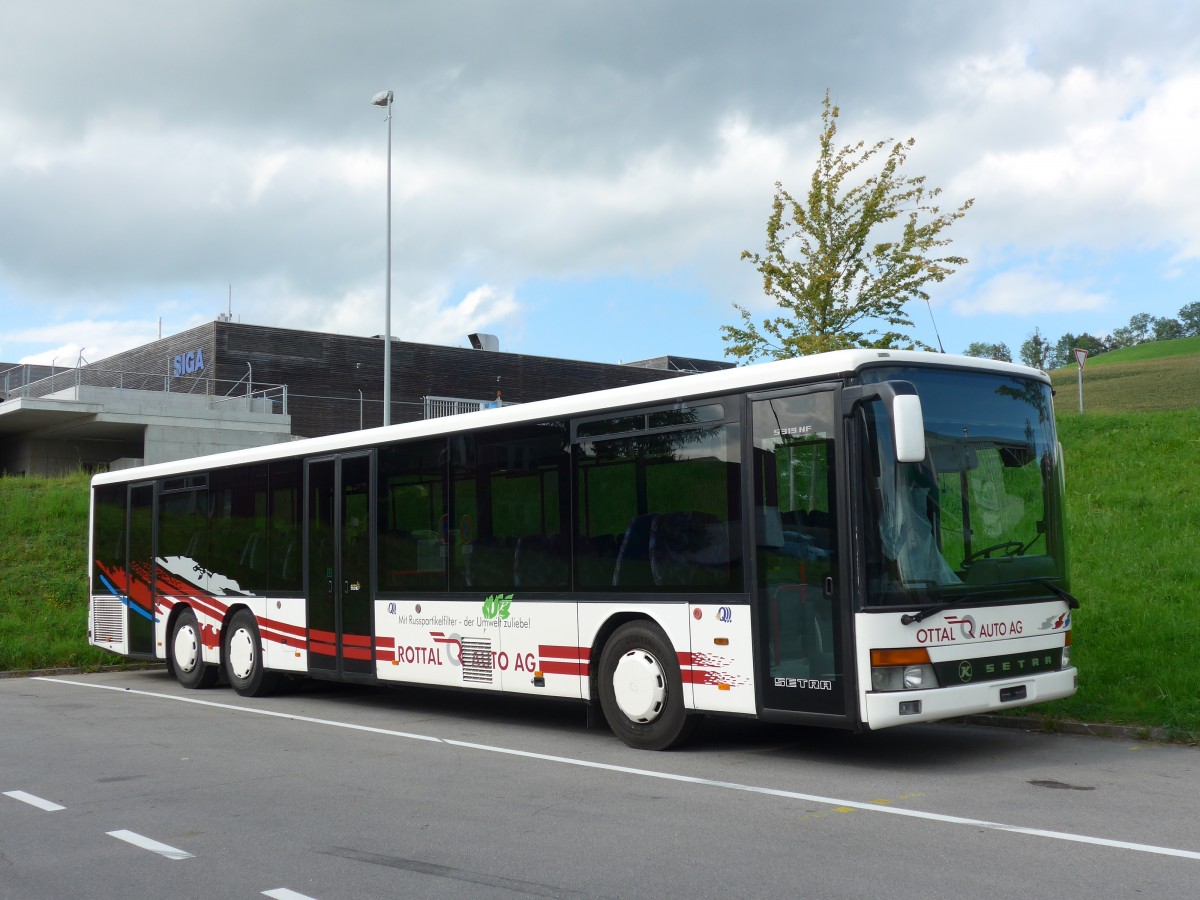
(981, 515)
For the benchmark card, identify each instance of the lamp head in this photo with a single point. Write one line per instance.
(383, 98)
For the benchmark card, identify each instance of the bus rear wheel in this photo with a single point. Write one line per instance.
(242, 654)
(641, 691)
(187, 654)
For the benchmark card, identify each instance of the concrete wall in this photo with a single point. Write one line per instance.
(165, 443)
(24, 455)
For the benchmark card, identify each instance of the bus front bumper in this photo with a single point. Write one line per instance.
(887, 708)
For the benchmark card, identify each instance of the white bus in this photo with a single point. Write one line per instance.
(858, 539)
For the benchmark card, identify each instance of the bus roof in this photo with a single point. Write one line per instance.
(807, 368)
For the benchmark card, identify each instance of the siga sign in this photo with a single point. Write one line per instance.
(190, 363)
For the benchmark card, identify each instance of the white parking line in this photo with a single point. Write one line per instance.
(665, 776)
(139, 840)
(285, 894)
(47, 805)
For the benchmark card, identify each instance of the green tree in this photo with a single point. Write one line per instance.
(1063, 353)
(1138, 331)
(843, 260)
(1189, 318)
(1167, 329)
(1035, 351)
(984, 350)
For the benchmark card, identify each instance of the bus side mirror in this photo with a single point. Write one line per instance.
(903, 406)
(909, 424)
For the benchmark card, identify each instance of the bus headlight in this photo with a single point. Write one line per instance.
(907, 669)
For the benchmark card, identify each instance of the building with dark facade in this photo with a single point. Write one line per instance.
(226, 385)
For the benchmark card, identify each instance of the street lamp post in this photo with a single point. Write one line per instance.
(384, 99)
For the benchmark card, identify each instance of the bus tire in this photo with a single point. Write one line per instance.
(241, 652)
(187, 654)
(641, 691)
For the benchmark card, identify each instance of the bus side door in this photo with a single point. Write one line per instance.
(339, 584)
(799, 645)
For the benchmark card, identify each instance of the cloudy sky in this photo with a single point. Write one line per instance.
(578, 178)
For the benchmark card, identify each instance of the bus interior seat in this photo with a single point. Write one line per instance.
(688, 548)
(633, 558)
(540, 560)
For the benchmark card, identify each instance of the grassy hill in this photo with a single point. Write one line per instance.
(1133, 505)
(1158, 376)
(43, 579)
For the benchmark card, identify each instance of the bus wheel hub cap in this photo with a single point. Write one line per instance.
(241, 653)
(187, 649)
(639, 686)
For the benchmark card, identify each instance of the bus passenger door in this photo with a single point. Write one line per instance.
(801, 666)
(339, 536)
(140, 569)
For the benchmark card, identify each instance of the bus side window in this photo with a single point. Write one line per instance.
(659, 511)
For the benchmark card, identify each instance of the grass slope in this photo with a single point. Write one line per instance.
(1133, 502)
(1161, 375)
(43, 574)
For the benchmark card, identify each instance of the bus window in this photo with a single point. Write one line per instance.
(108, 540)
(285, 552)
(411, 513)
(507, 517)
(237, 552)
(659, 511)
(183, 535)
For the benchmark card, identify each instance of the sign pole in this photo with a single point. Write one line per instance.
(1080, 356)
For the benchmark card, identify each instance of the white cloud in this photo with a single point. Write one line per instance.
(91, 339)
(1088, 156)
(1028, 293)
(552, 142)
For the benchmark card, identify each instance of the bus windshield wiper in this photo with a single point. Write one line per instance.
(1072, 600)
(910, 618)
(960, 600)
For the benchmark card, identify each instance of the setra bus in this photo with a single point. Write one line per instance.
(856, 539)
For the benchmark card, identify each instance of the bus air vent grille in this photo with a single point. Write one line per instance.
(108, 619)
(477, 660)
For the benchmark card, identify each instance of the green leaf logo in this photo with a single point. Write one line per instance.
(497, 606)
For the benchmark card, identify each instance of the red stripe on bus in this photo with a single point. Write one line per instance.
(357, 653)
(561, 652)
(209, 637)
(210, 606)
(327, 637)
(553, 667)
(285, 628)
(357, 640)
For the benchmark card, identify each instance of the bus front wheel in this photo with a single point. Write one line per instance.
(187, 654)
(641, 691)
(242, 654)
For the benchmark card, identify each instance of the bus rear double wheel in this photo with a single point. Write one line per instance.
(186, 653)
(241, 654)
(641, 691)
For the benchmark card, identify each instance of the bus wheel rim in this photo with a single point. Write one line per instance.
(241, 653)
(187, 648)
(640, 686)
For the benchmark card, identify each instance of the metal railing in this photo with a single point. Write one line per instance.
(436, 407)
(69, 384)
